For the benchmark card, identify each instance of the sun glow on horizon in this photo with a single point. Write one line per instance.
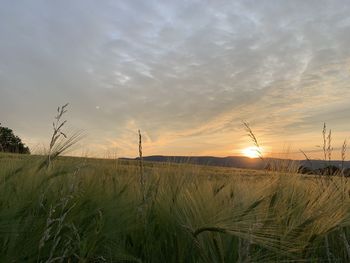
(251, 152)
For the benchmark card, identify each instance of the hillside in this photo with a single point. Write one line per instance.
(239, 161)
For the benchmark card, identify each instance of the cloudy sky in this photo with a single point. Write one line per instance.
(187, 73)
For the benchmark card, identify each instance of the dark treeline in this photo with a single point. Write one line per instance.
(11, 143)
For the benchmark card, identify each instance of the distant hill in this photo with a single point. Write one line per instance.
(237, 161)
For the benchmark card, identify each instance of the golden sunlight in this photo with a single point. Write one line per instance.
(251, 152)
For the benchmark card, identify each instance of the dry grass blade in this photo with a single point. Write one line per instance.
(343, 154)
(65, 144)
(254, 139)
(142, 176)
(324, 132)
(329, 146)
(60, 142)
(306, 158)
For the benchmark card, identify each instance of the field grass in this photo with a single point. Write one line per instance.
(89, 210)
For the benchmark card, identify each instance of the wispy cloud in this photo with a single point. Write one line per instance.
(185, 72)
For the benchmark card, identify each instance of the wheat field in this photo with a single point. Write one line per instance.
(90, 210)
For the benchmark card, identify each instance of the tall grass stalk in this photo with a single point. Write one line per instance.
(60, 142)
(327, 146)
(142, 175)
(343, 154)
(254, 139)
(57, 126)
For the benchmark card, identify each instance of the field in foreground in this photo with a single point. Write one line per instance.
(84, 210)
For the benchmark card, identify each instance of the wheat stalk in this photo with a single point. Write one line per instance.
(324, 132)
(57, 126)
(254, 139)
(60, 142)
(329, 146)
(142, 178)
(343, 153)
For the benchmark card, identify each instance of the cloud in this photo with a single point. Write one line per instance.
(184, 72)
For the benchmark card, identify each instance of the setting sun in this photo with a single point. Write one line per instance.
(251, 152)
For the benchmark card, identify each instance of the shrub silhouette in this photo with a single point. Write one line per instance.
(9, 142)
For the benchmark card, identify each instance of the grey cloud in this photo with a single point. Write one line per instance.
(173, 67)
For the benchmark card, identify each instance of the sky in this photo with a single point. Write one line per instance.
(186, 73)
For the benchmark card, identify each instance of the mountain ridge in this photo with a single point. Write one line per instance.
(240, 161)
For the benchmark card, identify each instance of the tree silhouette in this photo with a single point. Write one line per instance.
(10, 142)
